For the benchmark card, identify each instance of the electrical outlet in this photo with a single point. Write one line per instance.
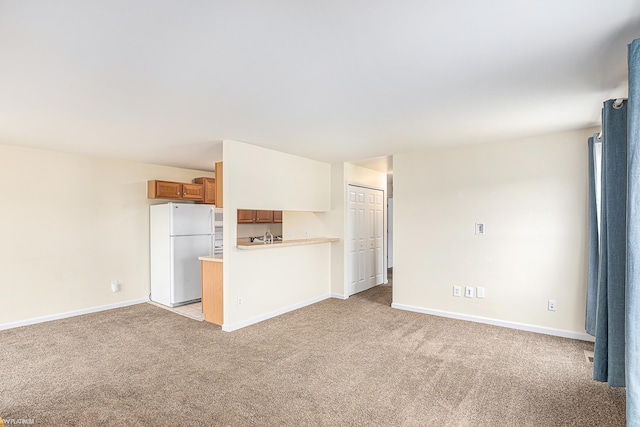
(551, 305)
(479, 228)
(305, 233)
(480, 292)
(457, 291)
(239, 302)
(115, 286)
(468, 291)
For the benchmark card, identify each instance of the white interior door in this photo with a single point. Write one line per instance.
(365, 238)
(378, 209)
(355, 237)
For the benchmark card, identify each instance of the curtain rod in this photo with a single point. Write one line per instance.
(617, 104)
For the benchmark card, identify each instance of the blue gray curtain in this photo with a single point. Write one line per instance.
(613, 294)
(594, 237)
(633, 241)
(609, 353)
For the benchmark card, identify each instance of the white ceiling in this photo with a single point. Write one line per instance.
(164, 81)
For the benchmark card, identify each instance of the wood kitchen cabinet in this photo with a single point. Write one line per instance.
(192, 192)
(209, 188)
(265, 217)
(163, 190)
(277, 216)
(174, 190)
(218, 172)
(202, 190)
(246, 216)
(212, 302)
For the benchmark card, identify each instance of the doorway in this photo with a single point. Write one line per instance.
(365, 238)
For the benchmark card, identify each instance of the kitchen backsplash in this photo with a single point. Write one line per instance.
(255, 230)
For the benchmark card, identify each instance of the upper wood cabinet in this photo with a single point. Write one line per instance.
(277, 216)
(218, 173)
(193, 192)
(246, 216)
(163, 189)
(209, 186)
(174, 190)
(264, 217)
(202, 190)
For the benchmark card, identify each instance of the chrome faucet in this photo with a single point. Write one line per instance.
(268, 237)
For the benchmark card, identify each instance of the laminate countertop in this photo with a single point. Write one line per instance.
(246, 245)
(211, 258)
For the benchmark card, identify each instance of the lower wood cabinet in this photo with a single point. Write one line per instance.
(212, 302)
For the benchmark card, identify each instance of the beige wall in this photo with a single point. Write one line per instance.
(274, 280)
(531, 195)
(333, 223)
(257, 230)
(70, 225)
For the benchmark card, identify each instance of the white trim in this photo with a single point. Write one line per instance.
(252, 321)
(74, 313)
(339, 296)
(496, 322)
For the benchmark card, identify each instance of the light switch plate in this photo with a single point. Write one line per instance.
(468, 291)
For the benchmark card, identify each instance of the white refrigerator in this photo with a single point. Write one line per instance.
(179, 234)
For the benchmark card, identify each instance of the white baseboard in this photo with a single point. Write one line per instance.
(339, 296)
(42, 319)
(258, 319)
(496, 322)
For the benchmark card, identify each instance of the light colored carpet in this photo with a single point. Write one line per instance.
(355, 362)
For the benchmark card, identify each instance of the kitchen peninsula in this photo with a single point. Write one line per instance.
(212, 267)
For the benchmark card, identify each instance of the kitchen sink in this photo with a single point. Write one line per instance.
(261, 239)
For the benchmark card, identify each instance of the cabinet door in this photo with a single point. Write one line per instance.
(218, 173)
(246, 216)
(264, 216)
(193, 191)
(209, 188)
(164, 190)
(277, 216)
(210, 191)
(212, 302)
